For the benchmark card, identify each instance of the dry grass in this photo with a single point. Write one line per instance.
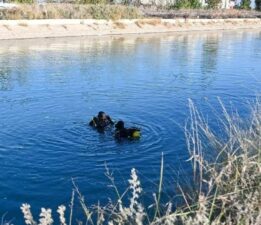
(70, 11)
(200, 13)
(23, 24)
(228, 186)
(119, 25)
(116, 12)
(151, 22)
(139, 24)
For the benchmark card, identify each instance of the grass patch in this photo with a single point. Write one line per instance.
(70, 11)
(23, 24)
(153, 22)
(119, 25)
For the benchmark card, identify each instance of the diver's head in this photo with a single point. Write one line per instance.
(101, 115)
(119, 125)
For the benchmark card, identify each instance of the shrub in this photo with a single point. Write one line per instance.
(245, 4)
(214, 4)
(258, 4)
(25, 1)
(187, 4)
(95, 2)
(71, 11)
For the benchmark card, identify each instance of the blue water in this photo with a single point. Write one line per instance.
(49, 89)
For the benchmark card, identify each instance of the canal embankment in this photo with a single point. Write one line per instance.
(49, 28)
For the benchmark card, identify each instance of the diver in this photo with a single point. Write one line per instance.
(101, 121)
(129, 133)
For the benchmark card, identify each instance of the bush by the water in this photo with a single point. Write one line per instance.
(70, 11)
(187, 4)
(214, 4)
(245, 4)
(228, 187)
(81, 9)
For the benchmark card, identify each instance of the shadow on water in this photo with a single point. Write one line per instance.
(49, 89)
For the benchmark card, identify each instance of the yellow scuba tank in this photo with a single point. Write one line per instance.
(136, 134)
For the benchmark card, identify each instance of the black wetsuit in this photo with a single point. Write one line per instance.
(125, 133)
(99, 124)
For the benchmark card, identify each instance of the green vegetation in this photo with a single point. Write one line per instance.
(105, 9)
(179, 4)
(187, 4)
(214, 4)
(227, 187)
(245, 4)
(258, 4)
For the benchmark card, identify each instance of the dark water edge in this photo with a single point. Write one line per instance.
(50, 88)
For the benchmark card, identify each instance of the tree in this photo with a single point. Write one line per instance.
(213, 4)
(258, 4)
(245, 4)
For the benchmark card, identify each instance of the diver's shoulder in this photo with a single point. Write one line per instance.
(93, 121)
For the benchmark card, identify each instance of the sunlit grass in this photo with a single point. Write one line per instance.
(70, 11)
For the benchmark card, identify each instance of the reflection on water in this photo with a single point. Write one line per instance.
(50, 88)
(185, 49)
(209, 54)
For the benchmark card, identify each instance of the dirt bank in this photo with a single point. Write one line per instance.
(22, 29)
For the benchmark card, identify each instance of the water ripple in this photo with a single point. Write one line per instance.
(49, 90)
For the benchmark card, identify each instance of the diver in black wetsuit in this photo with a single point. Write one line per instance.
(129, 133)
(101, 121)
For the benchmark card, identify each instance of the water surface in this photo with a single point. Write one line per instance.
(49, 89)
